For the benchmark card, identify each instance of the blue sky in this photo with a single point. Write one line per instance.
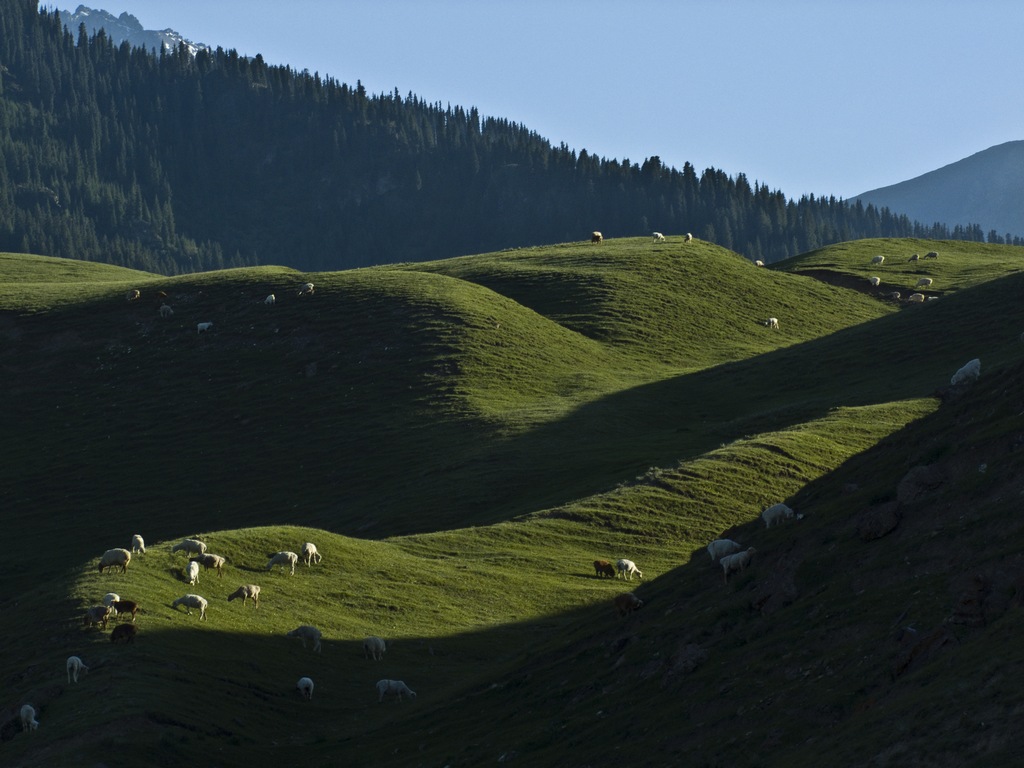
(806, 96)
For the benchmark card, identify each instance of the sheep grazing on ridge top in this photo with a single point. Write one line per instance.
(736, 562)
(306, 632)
(190, 602)
(283, 559)
(915, 257)
(924, 282)
(115, 558)
(374, 647)
(126, 632)
(28, 718)
(627, 568)
(604, 568)
(721, 547)
(75, 666)
(932, 255)
(245, 592)
(688, 237)
(138, 545)
(190, 547)
(776, 513)
(758, 263)
(306, 290)
(209, 561)
(875, 281)
(271, 299)
(203, 327)
(396, 688)
(310, 553)
(878, 260)
(192, 572)
(658, 237)
(627, 602)
(305, 686)
(968, 373)
(596, 237)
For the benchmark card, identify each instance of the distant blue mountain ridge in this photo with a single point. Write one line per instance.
(125, 27)
(986, 189)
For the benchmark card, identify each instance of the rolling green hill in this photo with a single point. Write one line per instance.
(461, 439)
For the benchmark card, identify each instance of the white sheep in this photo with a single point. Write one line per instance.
(776, 513)
(75, 666)
(722, 547)
(772, 322)
(283, 559)
(270, 300)
(110, 598)
(393, 688)
(878, 260)
(627, 568)
(98, 614)
(115, 558)
(165, 310)
(138, 544)
(895, 295)
(28, 718)
(875, 281)
(736, 562)
(758, 263)
(596, 237)
(916, 298)
(306, 632)
(688, 237)
(190, 547)
(190, 602)
(924, 282)
(245, 592)
(658, 237)
(374, 647)
(968, 373)
(192, 572)
(310, 553)
(203, 327)
(305, 686)
(306, 290)
(133, 294)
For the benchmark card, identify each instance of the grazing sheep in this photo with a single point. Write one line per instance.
(138, 545)
(165, 310)
(75, 666)
(98, 614)
(627, 568)
(758, 263)
(374, 647)
(271, 299)
(125, 606)
(658, 237)
(190, 547)
(627, 602)
(203, 327)
(126, 632)
(932, 255)
(772, 322)
(968, 373)
(878, 260)
(915, 257)
(133, 294)
(209, 561)
(722, 547)
(283, 559)
(393, 688)
(737, 562)
(115, 558)
(688, 237)
(596, 237)
(916, 298)
(604, 568)
(306, 632)
(190, 602)
(310, 553)
(110, 598)
(875, 281)
(28, 718)
(776, 513)
(895, 295)
(924, 282)
(306, 290)
(305, 686)
(192, 572)
(245, 592)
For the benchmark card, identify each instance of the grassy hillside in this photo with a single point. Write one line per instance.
(462, 439)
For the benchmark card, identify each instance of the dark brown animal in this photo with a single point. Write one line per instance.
(126, 632)
(626, 603)
(604, 568)
(125, 606)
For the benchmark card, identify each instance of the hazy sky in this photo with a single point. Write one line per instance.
(807, 96)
